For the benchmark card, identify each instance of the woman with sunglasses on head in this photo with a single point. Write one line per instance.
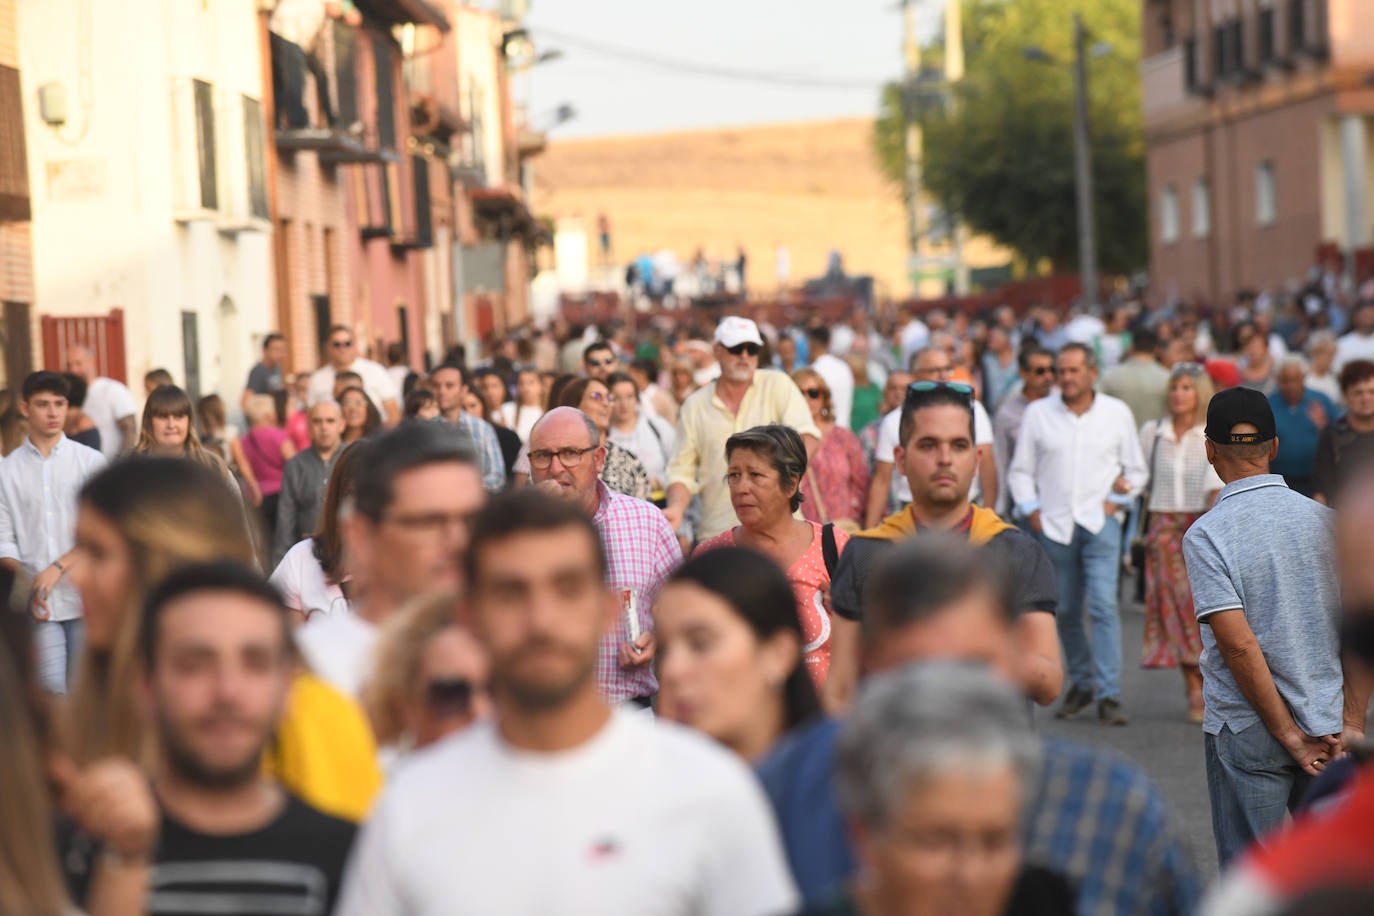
(766, 466)
(430, 676)
(836, 482)
(1183, 485)
(730, 651)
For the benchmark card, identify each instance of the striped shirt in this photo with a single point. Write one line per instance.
(641, 551)
(1181, 477)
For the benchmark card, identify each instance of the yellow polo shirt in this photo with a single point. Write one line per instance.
(705, 423)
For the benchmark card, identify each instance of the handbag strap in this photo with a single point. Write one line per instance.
(829, 549)
(1149, 487)
(816, 495)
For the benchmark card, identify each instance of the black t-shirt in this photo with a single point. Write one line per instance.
(294, 865)
(1034, 583)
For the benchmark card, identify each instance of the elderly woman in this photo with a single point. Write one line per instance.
(430, 677)
(1182, 487)
(933, 770)
(836, 484)
(1321, 372)
(766, 466)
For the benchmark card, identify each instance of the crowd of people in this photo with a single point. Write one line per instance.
(743, 619)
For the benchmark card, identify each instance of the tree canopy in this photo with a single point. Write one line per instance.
(999, 152)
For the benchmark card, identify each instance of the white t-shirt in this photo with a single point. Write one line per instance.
(1351, 346)
(398, 376)
(839, 378)
(645, 818)
(108, 402)
(376, 382)
(339, 649)
(889, 433)
(303, 586)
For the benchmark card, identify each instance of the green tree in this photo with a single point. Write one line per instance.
(998, 151)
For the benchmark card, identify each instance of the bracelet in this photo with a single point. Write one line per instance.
(60, 567)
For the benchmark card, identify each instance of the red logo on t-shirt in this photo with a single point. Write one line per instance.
(603, 851)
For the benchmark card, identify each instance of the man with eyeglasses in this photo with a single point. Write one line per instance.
(744, 396)
(1077, 467)
(342, 356)
(566, 459)
(1037, 381)
(938, 457)
(599, 360)
(405, 533)
(931, 364)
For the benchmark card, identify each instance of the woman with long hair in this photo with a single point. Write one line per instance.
(835, 488)
(476, 405)
(360, 415)
(1182, 486)
(312, 575)
(167, 430)
(137, 521)
(730, 651)
(766, 467)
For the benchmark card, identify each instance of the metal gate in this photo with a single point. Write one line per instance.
(104, 335)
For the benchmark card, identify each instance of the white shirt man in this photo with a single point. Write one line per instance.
(343, 357)
(39, 485)
(1359, 342)
(109, 404)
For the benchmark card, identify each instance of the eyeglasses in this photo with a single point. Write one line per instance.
(568, 457)
(341, 344)
(598, 396)
(427, 522)
(814, 393)
(452, 696)
(751, 348)
(920, 388)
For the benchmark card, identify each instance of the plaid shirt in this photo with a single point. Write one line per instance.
(641, 551)
(1099, 821)
(493, 464)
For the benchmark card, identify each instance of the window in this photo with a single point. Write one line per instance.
(1267, 44)
(1202, 209)
(1168, 215)
(257, 165)
(205, 143)
(1266, 203)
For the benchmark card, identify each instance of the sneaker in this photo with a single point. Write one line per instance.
(1075, 701)
(1109, 713)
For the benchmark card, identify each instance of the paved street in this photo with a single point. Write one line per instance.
(1159, 738)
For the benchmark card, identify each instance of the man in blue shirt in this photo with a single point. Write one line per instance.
(1300, 414)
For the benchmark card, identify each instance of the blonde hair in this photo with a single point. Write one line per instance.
(827, 403)
(1202, 384)
(169, 513)
(260, 407)
(30, 882)
(400, 649)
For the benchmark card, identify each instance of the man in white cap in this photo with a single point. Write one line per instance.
(742, 397)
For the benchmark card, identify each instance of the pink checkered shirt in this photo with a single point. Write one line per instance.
(641, 551)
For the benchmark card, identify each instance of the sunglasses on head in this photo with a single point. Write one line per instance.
(921, 388)
(751, 348)
(452, 696)
(1189, 368)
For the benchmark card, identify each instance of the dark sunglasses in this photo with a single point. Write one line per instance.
(600, 363)
(340, 344)
(751, 348)
(917, 389)
(452, 696)
(814, 393)
(1041, 370)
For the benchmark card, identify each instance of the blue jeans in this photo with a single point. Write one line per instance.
(1253, 783)
(1088, 571)
(57, 646)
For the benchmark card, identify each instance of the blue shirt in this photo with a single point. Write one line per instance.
(1266, 551)
(1297, 433)
(1096, 818)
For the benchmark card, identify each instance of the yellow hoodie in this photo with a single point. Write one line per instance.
(901, 525)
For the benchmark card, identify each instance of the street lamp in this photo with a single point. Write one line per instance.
(1082, 153)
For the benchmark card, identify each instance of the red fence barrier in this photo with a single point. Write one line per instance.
(102, 334)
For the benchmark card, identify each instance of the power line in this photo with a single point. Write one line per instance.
(775, 78)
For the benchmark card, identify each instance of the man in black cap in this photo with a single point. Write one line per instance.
(1263, 573)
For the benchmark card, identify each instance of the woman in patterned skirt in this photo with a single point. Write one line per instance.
(1182, 487)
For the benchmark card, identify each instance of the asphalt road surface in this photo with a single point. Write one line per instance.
(1159, 738)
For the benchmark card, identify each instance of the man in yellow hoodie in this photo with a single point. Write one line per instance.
(939, 458)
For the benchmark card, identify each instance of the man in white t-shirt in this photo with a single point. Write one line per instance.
(108, 402)
(560, 804)
(342, 356)
(839, 378)
(415, 489)
(1359, 342)
(929, 365)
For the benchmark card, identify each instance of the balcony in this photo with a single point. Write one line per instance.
(403, 12)
(330, 127)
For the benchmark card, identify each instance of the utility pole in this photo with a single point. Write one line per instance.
(1083, 167)
(911, 140)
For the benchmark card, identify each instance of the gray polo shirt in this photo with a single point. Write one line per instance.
(1267, 550)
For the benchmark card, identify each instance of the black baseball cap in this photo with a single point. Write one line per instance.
(1234, 406)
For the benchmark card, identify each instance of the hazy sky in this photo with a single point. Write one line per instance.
(856, 43)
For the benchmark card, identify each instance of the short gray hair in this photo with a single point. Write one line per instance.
(1321, 338)
(921, 722)
(1291, 360)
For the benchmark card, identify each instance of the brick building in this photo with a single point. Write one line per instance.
(1258, 123)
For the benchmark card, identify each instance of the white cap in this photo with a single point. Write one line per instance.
(733, 331)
